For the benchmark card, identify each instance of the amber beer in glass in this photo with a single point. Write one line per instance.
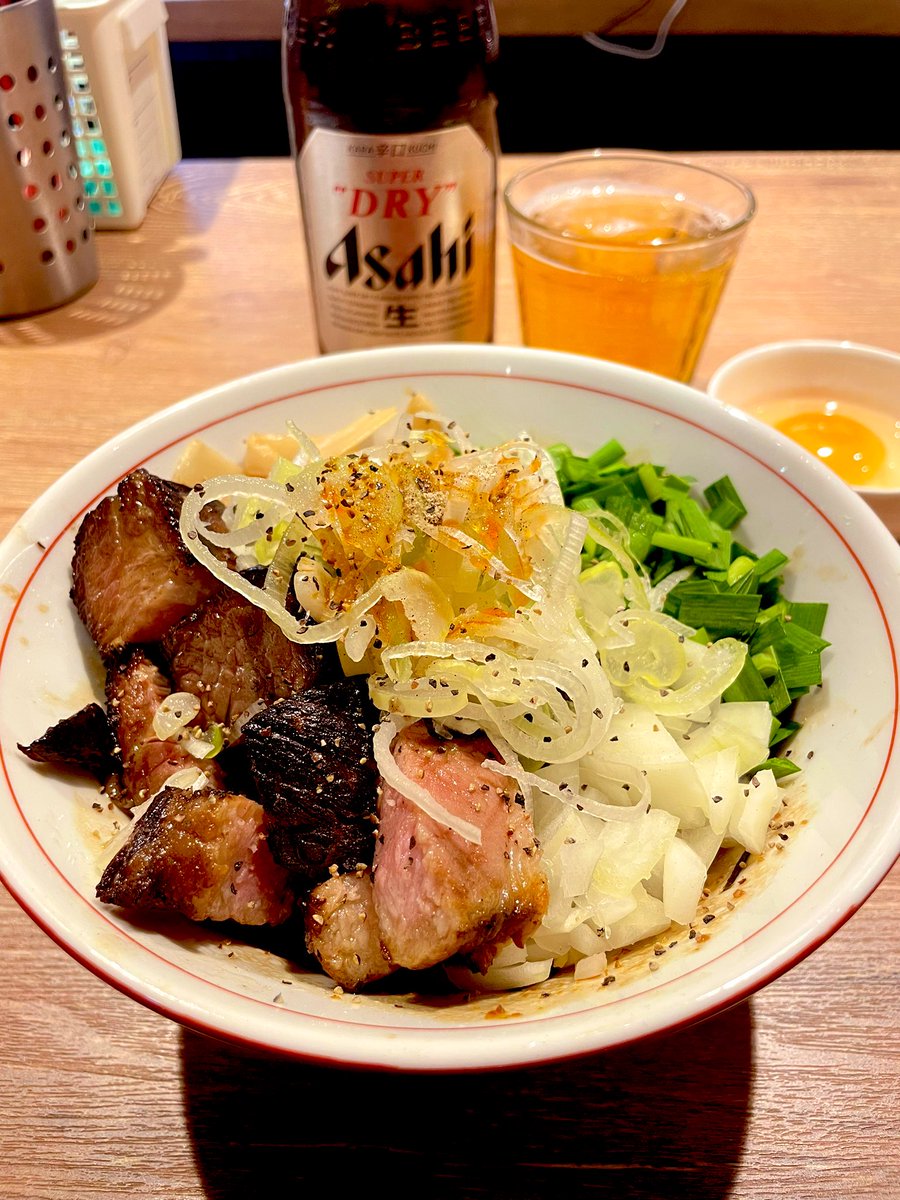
(395, 139)
(624, 256)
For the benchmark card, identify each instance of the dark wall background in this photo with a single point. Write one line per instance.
(701, 93)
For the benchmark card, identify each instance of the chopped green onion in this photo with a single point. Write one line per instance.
(766, 568)
(749, 685)
(779, 696)
(725, 614)
(782, 730)
(807, 616)
(725, 505)
(731, 592)
(688, 546)
(780, 767)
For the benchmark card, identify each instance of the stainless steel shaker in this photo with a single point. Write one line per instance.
(47, 253)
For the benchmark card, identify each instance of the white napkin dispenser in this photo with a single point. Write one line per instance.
(116, 58)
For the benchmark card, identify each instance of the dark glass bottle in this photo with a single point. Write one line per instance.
(395, 140)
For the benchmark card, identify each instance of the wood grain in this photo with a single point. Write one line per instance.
(243, 20)
(791, 1095)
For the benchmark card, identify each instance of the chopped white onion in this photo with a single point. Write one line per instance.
(591, 967)
(251, 710)
(500, 979)
(188, 778)
(684, 875)
(174, 714)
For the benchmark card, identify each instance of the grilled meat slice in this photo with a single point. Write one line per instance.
(342, 930)
(84, 741)
(203, 854)
(135, 688)
(312, 763)
(230, 654)
(436, 894)
(133, 576)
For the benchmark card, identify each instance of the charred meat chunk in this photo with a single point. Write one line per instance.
(342, 930)
(436, 894)
(203, 854)
(231, 654)
(312, 763)
(84, 741)
(135, 688)
(133, 576)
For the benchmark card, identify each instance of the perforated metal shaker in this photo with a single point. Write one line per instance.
(47, 254)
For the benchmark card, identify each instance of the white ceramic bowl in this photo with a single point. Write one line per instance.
(847, 830)
(867, 371)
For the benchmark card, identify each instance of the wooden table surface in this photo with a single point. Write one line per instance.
(791, 1094)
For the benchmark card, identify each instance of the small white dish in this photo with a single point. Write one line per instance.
(846, 831)
(866, 372)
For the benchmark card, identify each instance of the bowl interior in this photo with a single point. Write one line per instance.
(871, 374)
(845, 829)
(866, 374)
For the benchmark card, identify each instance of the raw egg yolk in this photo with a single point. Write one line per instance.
(848, 447)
